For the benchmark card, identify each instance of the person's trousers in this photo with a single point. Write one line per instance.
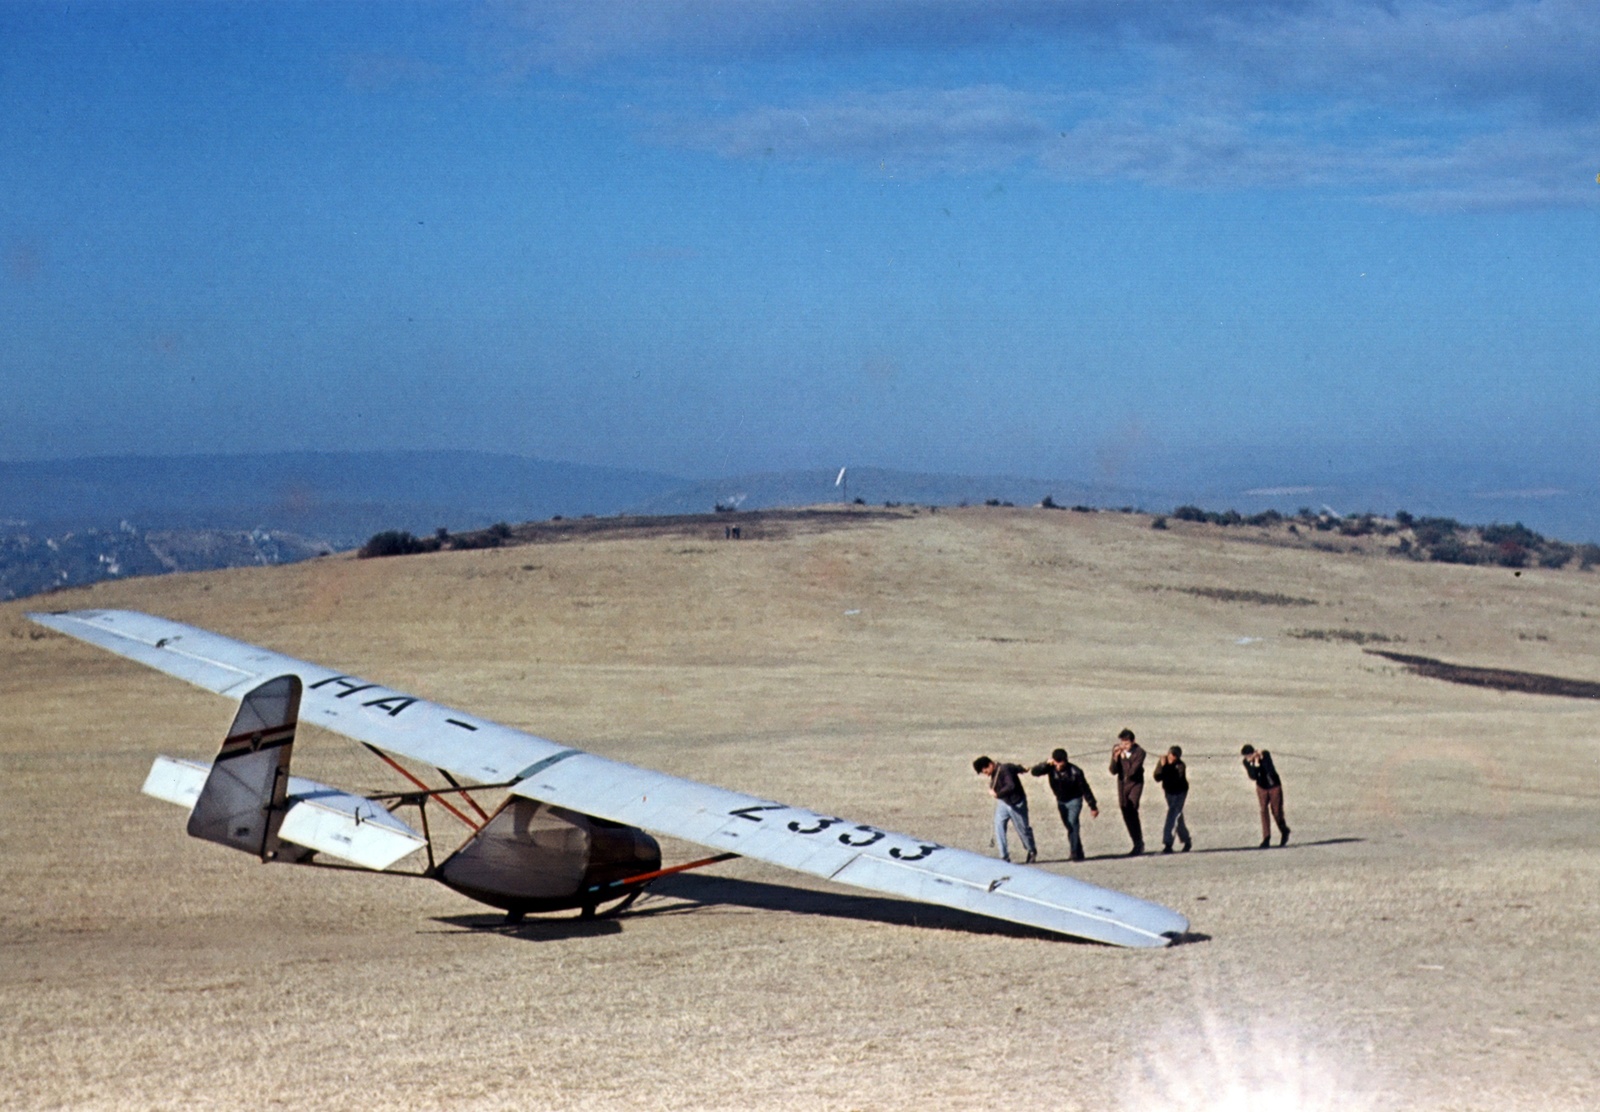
(1175, 821)
(1271, 802)
(1128, 798)
(1016, 815)
(1071, 810)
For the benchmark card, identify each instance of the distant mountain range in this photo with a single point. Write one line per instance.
(72, 521)
(337, 497)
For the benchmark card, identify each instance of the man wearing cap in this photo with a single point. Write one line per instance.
(1072, 790)
(1010, 804)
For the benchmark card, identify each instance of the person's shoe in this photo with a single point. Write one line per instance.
(1265, 842)
(1187, 846)
(1136, 850)
(1077, 857)
(1031, 856)
(1283, 841)
(1166, 848)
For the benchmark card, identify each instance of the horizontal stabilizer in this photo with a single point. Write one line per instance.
(176, 781)
(320, 818)
(348, 826)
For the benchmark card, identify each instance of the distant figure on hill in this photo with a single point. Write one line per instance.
(1174, 780)
(1269, 792)
(1010, 804)
(1072, 790)
(1127, 765)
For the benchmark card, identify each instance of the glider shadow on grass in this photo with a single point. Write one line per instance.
(691, 895)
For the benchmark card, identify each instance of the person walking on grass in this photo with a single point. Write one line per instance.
(1010, 804)
(1072, 791)
(1127, 765)
(1174, 780)
(1269, 793)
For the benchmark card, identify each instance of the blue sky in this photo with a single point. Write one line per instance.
(1076, 239)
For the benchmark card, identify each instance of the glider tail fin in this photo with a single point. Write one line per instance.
(242, 803)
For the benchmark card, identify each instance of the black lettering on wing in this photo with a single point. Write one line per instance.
(822, 824)
(394, 704)
(875, 836)
(349, 685)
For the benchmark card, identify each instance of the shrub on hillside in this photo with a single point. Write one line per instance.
(1518, 534)
(396, 542)
(1509, 554)
(1556, 554)
(1451, 550)
(1431, 531)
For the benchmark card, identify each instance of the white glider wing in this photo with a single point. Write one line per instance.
(476, 749)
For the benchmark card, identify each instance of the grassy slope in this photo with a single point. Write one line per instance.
(1424, 943)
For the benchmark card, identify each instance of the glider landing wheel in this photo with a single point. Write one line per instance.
(515, 917)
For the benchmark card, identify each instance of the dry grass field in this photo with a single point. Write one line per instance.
(1427, 940)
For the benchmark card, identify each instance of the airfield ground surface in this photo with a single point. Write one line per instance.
(1427, 939)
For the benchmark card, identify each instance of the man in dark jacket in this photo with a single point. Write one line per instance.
(1127, 765)
(1010, 803)
(1269, 793)
(1174, 780)
(1072, 790)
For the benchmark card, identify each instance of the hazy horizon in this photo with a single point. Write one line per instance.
(345, 496)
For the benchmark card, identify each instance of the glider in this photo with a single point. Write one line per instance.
(573, 830)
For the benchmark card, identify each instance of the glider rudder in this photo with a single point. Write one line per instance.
(242, 803)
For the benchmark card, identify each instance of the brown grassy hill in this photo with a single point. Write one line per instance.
(1425, 941)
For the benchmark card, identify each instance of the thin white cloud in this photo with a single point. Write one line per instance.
(1420, 103)
(1179, 146)
(920, 130)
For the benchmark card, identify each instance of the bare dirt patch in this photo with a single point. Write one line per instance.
(1500, 679)
(751, 525)
(1349, 636)
(1244, 594)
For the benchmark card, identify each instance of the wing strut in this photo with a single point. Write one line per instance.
(445, 803)
(646, 878)
(473, 803)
